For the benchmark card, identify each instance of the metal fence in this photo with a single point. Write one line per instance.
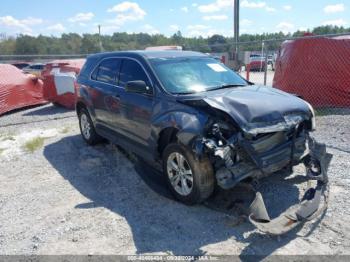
(316, 68)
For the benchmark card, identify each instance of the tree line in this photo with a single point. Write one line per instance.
(72, 43)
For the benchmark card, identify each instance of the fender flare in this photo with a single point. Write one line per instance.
(189, 125)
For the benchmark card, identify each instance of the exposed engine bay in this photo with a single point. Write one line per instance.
(243, 155)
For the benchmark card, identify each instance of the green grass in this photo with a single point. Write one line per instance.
(34, 144)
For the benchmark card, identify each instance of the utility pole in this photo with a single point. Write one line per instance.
(236, 28)
(99, 37)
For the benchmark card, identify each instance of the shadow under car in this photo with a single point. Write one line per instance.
(106, 175)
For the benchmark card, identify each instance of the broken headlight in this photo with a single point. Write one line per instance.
(293, 120)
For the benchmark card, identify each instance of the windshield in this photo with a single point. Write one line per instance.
(192, 75)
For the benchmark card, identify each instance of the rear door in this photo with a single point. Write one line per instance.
(105, 94)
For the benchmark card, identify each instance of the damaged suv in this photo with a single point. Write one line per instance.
(200, 123)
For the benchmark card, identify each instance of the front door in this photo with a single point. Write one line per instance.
(136, 109)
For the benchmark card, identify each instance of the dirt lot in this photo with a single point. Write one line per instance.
(59, 196)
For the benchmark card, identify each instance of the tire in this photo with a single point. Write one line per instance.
(189, 192)
(87, 128)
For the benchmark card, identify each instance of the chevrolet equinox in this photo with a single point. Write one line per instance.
(197, 121)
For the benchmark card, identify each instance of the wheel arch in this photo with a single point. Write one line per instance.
(180, 127)
(79, 106)
(166, 136)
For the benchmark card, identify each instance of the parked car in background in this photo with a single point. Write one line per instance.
(21, 65)
(254, 55)
(34, 69)
(270, 60)
(164, 48)
(273, 66)
(18, 90)
(257, 63)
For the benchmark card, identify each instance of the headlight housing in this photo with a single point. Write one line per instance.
(293, 120)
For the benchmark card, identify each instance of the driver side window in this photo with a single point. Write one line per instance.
(132, 71)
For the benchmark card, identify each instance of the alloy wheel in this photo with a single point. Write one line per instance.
(180, 174)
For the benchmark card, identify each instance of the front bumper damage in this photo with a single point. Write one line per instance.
(253, 132)
(264, 156)
(310, 207)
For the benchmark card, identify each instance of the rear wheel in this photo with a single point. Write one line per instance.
(87, 128)
(191, 181)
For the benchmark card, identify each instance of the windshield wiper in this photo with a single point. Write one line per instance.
(184, 93)
(225, 86)
(210, 89)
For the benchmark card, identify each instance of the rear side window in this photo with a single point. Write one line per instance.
(107, 71)
(132, 71)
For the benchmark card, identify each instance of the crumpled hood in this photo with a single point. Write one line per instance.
(259, 109)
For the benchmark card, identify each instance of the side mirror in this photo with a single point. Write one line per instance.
(138, 87)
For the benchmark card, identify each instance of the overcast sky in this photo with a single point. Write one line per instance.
(192, 18)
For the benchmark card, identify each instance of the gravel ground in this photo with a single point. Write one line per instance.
(258, 77)
(68, 198)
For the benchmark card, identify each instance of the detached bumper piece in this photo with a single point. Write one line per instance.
(316, 163)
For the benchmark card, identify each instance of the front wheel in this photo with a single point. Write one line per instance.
(191, 181)
(87, 128)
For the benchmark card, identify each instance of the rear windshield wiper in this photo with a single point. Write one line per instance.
(225, 86)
